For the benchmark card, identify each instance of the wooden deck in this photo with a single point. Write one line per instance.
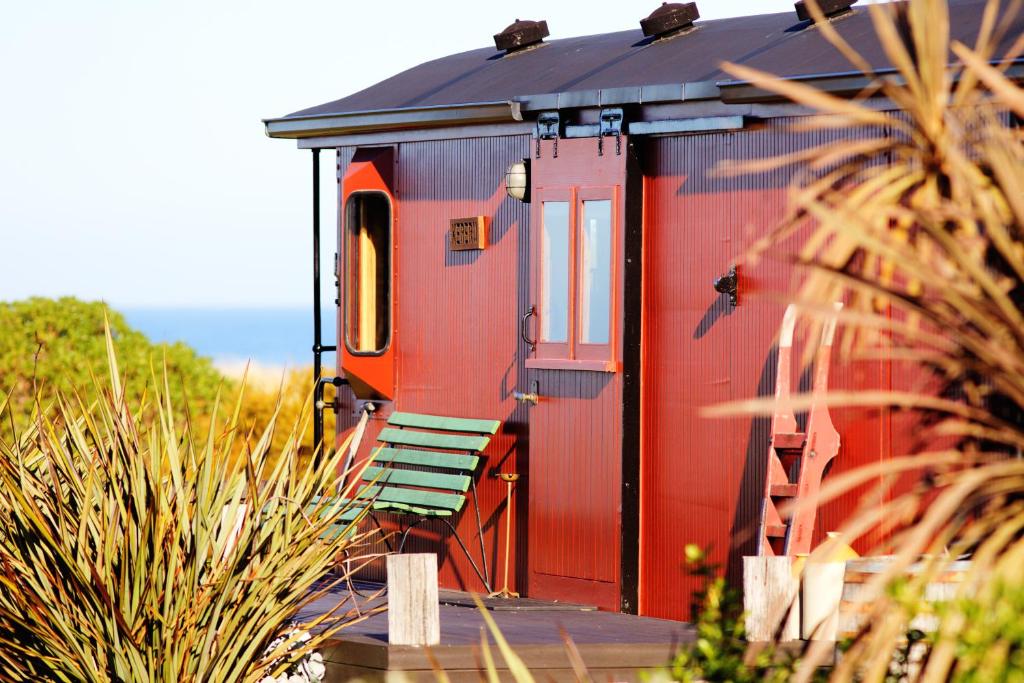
(613, 646)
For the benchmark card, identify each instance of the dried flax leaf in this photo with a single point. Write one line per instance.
(520, 672)
(1008, 94)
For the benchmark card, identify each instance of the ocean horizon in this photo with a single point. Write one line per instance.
(274, 337)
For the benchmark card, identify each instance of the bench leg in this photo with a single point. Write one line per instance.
(383, 534)
(352, 592)
(483, 577)
(405, 534)
(486, 578)
(469, 556)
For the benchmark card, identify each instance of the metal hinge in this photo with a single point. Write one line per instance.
(729, 284)
(337, 279)
(611, 124)
(548, 124)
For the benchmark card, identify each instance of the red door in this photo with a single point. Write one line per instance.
(575, 368)
(692, 466)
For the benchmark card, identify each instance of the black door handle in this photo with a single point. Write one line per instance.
(524, 330)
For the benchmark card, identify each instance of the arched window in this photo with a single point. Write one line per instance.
(367, 272)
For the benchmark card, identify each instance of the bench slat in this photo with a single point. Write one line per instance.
(450, 424)
(383, 506)
(342, 521)
(453, 442)
(403, 509)
(411, 456)
(429, 499)
(434, 480)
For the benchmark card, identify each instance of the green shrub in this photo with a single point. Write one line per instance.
(58, 344)
(720, 652)
(979, 637)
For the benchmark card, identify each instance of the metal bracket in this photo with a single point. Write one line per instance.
(611, 124)
(548, 127)
(533, 397)
(319, 402)
(729, 284)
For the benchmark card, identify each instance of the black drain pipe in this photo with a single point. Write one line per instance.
(319, 406)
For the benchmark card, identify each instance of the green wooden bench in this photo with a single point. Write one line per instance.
(423, 469)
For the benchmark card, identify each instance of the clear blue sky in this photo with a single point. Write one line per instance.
(134, 166)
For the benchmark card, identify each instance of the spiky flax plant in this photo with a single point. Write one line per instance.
(133, 550)
(916, 222)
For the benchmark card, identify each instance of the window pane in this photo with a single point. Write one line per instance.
(367, 272)
(595, 271)
(554, 273)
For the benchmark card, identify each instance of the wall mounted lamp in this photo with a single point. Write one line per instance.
(517, 180)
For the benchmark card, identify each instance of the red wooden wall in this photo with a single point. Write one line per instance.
(456, 319)
(702, 478)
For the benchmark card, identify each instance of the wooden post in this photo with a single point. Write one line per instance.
(413, 608)
(769, 590)
(822, 592)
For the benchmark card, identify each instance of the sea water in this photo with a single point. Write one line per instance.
(272, 337)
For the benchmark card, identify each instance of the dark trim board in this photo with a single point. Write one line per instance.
(491, 130)
(846, 84)
(392, 119)
(631, 370)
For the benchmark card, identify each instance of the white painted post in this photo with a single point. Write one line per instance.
(413, 608)
(822, 593)
(769, 590)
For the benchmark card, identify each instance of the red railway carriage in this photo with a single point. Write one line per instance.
(532, 234)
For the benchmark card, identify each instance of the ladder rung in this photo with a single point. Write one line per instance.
(775, 531)
(784, 490)
(788, 441)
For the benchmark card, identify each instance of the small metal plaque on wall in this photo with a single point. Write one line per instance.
(468, 233)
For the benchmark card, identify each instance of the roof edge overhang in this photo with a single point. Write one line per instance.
(846, 83)
(295, 127)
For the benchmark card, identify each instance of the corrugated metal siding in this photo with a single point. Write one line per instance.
(457, 327)
(575, 486)
(457, 322)
(702, 479)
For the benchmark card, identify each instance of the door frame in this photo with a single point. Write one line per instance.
(632, 332)
(626, 352)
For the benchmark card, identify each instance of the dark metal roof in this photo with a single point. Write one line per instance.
(777, 43)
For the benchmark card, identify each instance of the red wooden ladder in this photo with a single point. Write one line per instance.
(796, 460)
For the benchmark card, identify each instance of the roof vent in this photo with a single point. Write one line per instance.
(830, 8)
(521, 34)
(670, 17)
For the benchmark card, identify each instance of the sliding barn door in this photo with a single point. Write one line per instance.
(575, 369)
